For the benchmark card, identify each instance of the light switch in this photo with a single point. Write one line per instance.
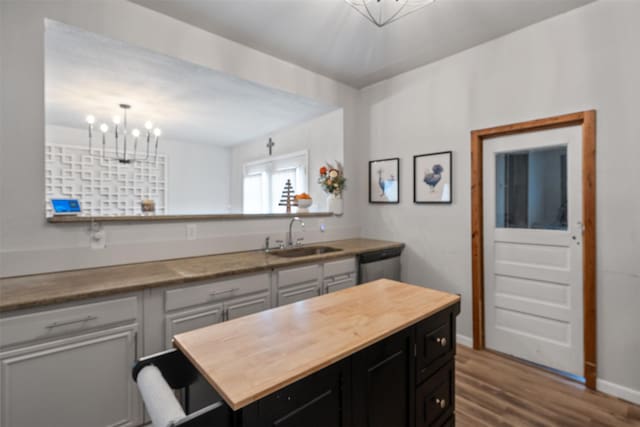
(192, 231)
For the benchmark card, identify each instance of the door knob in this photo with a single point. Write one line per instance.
(441, 403)
(442, 341)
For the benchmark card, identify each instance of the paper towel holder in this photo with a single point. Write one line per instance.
(179, 373)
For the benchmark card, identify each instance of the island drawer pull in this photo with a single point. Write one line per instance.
(442, 341)
(226, 291)
(71, 322)
(442, 403)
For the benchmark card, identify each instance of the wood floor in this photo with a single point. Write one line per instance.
(492, 390)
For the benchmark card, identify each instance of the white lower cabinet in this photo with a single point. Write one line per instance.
(298, 283)
(188, 320)
(239, 307)
(338, 275)
(339, 283)
(79, 381)
(70, 365)
(298, 293)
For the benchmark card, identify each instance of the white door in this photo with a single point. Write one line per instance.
(532, 247)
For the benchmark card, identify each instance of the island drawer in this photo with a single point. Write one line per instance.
(53, 323)
(216, 291)
(434, 398)
(435, 342)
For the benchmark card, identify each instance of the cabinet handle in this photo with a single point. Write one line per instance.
(441, 403)
(71, 322)
(442, 341)
(226, 291)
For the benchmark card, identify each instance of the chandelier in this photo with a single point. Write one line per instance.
(383, 12)
(121, 133)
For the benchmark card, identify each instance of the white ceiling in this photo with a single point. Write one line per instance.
(329, 37)
(88, 73)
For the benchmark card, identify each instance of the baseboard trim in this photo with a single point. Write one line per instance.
(464, 340)
(619, 391)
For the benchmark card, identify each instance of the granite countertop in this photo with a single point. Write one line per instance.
(327, 328)
(51, 288)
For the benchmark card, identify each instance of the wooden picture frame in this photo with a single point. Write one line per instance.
(385, 189)
(433, 178)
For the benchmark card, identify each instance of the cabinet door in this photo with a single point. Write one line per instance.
(244, 306)
(82, 381)
(188, 320)
(319, 400)
(298, 293)
(338, 283)
(383, 383)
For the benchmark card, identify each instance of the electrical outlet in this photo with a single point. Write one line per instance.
(98, 239)
(192, 232)
(322, 227)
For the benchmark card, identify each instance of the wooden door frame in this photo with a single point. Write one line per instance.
(587, 120)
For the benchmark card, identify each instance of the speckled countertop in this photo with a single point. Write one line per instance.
(51, 288)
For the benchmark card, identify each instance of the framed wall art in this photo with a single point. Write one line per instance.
(432, 178)
(384, 181)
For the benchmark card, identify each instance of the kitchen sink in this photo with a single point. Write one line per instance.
(304, 251)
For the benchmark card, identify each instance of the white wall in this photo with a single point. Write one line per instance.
(28, 244)
(199, 177)
(322, 137)
(587, 58)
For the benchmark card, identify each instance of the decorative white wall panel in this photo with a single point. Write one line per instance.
(103, 186)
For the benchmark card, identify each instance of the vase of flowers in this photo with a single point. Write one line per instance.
(333, 183)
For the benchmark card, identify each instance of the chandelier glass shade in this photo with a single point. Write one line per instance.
(383, 12)
(121, 136)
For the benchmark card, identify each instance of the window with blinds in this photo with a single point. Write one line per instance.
(264, 180)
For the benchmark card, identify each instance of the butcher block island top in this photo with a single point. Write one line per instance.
(251, 357)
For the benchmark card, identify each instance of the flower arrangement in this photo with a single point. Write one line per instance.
(332, 179)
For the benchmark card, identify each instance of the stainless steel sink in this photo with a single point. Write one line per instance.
(304, 251)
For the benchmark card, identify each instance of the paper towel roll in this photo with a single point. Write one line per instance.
(161, 403)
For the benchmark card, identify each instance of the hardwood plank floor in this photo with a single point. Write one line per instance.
(494, 390)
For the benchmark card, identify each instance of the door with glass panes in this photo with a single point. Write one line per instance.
(532, 247)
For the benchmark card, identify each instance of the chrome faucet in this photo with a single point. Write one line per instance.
(290, 234)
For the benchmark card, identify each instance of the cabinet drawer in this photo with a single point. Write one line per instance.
(298, 275)
(188, 320)
(216, 291)
(297, 293)
(435, 343)
(245, 306)
(340, 267)
(53, 323)
(434, 398)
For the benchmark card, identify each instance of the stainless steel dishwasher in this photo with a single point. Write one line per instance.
(383, 264)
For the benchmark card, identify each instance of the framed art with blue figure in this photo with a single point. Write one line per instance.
(384, 181)
(432, 178)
